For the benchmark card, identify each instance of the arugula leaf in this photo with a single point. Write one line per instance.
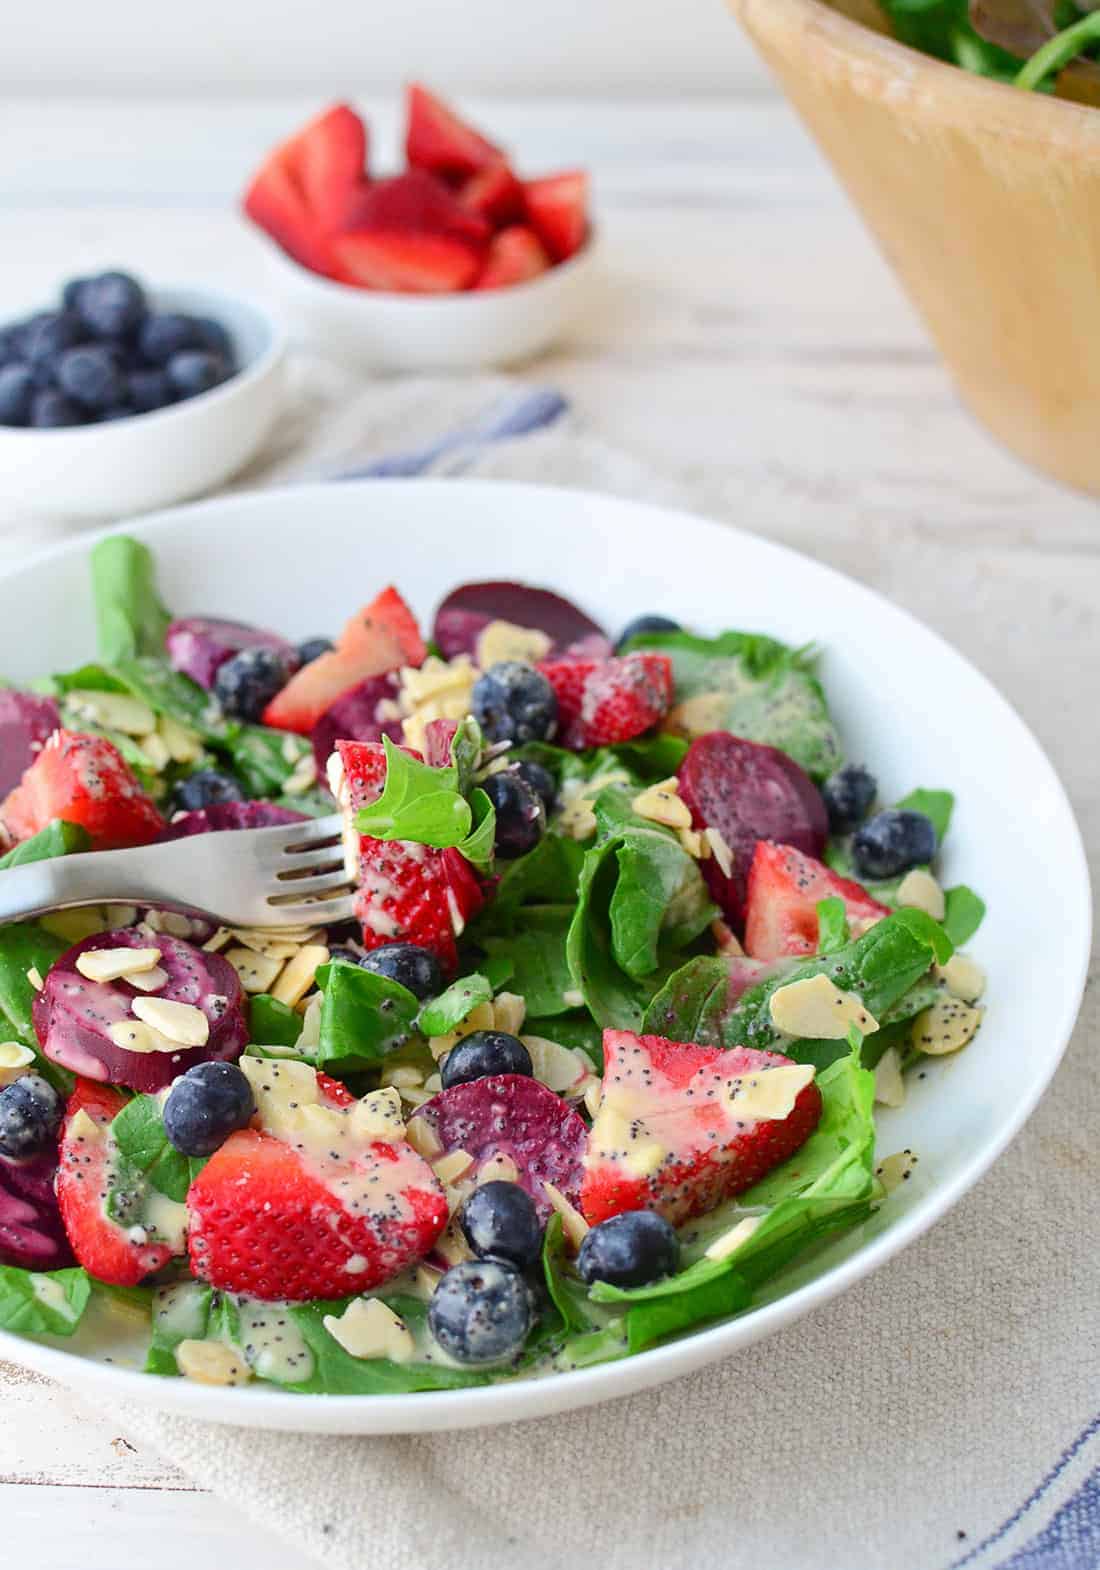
(47, 1303)
(364, 1017)
(24, 946)
(273, 1023)
(760, 689)
(338, 1373)
(130, 617)
(832, 925)
(138, 1133)
(56, 839)
(450, 1008)
(424, 804)
(964, 914)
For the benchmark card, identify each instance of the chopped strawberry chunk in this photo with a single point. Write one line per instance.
(437, 140)
(301, 192)
(515, 256)
(494, 194)
(601, 702)
(84, 780)
(407, 263)
(414, 203)
(784, 888)
(557, 209)
(390, 612)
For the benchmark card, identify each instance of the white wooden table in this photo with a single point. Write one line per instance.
(747, 334)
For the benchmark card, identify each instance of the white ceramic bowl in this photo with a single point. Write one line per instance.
(430, 332)
(151, 460)
(251, 557)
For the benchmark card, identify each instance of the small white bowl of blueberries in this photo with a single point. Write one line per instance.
(118, 398)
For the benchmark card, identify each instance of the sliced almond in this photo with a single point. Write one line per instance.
(573, 998)
(368, 1329)
(889, 1080)
(112, 710)
(184, 746)
(149, 980)
(697, 847)
(504, 640)
(154, 748)
(574, 1225)
(300, 973)
(593, 1092)
(83, 1129)
(723, 855)
(134, 1036)
(509, 1012)
(182, 1023)
(962, 977)
(34, 976)
(378, 1115)
(217, 941)
(15, 1060)
(894, 1170)
(498, 1169)
(212, 1363)
(455, 1164)
(770, 1094)
(730, 1241)
(451, 1244)
(112, 964)
(817, 1008)
(661, 804)
(423, 1139)
(945, 1027)
(257, 973)
(302, 777)
(918, 890)
(696, 716)
(558, 1068)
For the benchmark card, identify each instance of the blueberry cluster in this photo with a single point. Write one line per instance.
(104, 354)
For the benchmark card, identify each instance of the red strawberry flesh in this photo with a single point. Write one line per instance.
(84, 780)
(784, 888)
(601, 702)
(26, 722)
(438, 140)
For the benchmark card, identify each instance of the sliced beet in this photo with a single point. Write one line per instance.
(31, 1232)
(26, 721)
(469, 609)
(198, 645)
(73, 1016)
(749, 792)
(355, 717)
(229, 815)
(512, 1115)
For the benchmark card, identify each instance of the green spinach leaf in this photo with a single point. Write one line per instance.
(336, 1372)
(832, 925)
(130, 617)
(364, 1017)
(56, 839)
(537, 959)
(273, 1023)
(424, 804)
(48, 1303)
(964, 914)
(25, 946)
(442, 1014)
(138, 1133)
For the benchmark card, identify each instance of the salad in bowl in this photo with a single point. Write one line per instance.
(636, 957)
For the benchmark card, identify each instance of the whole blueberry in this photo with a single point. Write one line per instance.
(165, 333)
(148, 390)
(206, 1105)
(194, 371)
(49, 334)
(414, 967)
(16, 392)
(110, 305)
(643, 624)
(213, 337)
(313, 648)
(515, 702)
(70, 294)
(205, 788)
(485, 1052)
(90, 375)
(11, 343)
(629, 1250)
(121, 411)
(521, 816)
(891, 842)
(30, 1115)
(500, 1219)
(50, 409)
(541, 781)
(481, 1311)
(849, 795)
(246, 684)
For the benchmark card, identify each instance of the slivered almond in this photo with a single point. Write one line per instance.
(730, 1241)
(455, 1164)
(212, 1363)
(498, 1169)
(504, 640)
(423, 1139)
(945, 1027)
(257, 973)
(894, 1170)
(181, 1023)
(34, 976)
(184, 746)
(662, 804)
(149, 980)
(112, 964)
(298, 977)
(574, 1225)
(155, 749)
(889, 1080)
(368, 1329)
(696, 844)
(918, 890)
(962, 977)
(15, 1060)
(816, 1007)
(134, 1036)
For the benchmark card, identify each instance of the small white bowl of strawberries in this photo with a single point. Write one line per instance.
(454, 263)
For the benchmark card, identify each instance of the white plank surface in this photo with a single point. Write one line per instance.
(747, 335)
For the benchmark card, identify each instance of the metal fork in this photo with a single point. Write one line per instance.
(289, 876)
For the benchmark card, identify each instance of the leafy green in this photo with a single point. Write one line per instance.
(546, 875)
(832, 925)
(537, 959)
(273, 1023)
(180, 1313)
(363, 1018)
(651, 758)
(450, 1008)
(56, 839)
(568, 1292)
(138, 1132)
(937, 806)
(424, 804)
(1059, 51)
(576, 1029)
(762, 689)
(942, 28)
(27, 946)
(265, 759)
(130, 618)
(336, 1372)
(964, 914)
(48, 1303)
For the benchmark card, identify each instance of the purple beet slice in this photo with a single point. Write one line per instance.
(356, 716)
(748, 792)
(198, 645)
(31, 1233)
(26, 721)
(73, 1016)
(469, 609)
(229, 815)
(512, 1115)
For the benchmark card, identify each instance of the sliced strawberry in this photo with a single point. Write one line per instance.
(330, 155)
(436, 139)
(674, 1131)
(515, 256)
(557, 210)
(106, 1249)
(413, 203)
(407, 263)
(494, 194)
(26, 722)
(275, 203)
(601, 702)
(333, 1091)
(84, 780)
(784, 888)
(379, 638)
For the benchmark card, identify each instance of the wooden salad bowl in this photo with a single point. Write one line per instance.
(986, 201)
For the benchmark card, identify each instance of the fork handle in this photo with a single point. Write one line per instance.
(120, 877)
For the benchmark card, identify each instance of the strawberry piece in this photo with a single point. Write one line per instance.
(101, 1245)
(494, 194)
(515, 256)
(275, 203)
(84, 780)
(333, 1091)
(301, 192)
(601, 702)
(283, 1222)
(407, 263)
(557, 210)
(784, 888)
(669, 1134)
(26, 723)
(413, 203)
(379, 638)
(437, 140)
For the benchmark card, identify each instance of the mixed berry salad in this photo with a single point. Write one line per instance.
(637, 957)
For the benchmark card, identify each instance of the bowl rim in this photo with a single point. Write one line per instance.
(470, 300)
(256, 370)
(440, 1410)
(1008, 109)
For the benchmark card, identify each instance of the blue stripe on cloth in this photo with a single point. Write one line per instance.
(517, 414)
(1058, 1526)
